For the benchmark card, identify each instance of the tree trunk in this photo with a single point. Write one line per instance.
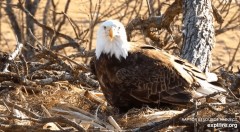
(13, 20)
(198, 33)
(31, 6)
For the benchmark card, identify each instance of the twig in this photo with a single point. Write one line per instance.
(235, 53)
(94, 98)
(45, 17)
(165, 114)
(88, 81)
(232, 94)
(20, 108)
(5, 76)
(90, 53)
(60, 77)
(209, 96)
(96, 112)
(49, 115)
(218, 67)
(114, 123)
(61, 23)
(195, 116)
(150, 7)
(80, 66)
(47, 66)
(58, 47)
(74, 26)
(217, 15)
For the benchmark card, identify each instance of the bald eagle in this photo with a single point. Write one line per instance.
(132, 74)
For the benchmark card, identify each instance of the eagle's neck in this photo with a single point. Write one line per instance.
(117, 47)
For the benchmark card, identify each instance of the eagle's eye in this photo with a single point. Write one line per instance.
(104, 27)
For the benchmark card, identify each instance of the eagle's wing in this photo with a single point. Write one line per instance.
(160, 81)
(184, 68)
(168, 79)
(158, 85)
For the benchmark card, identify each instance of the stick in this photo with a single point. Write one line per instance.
(114, 123)
(16, 52)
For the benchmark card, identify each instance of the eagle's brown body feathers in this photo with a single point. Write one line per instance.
(146, 76)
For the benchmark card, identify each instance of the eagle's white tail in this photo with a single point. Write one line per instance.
(207, 88)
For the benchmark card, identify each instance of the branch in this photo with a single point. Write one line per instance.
(61, 23)
(14, 54)
(52, 31)
(13, 20)
(158, 22)
(90, 53)
(55, 58)
(217, 15)
(234, 54)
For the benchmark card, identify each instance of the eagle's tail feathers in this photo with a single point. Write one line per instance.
(207, 88)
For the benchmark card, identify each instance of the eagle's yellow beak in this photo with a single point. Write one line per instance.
(111, 33)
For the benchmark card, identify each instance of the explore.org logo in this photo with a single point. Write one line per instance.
(222, 125)
(215, 122)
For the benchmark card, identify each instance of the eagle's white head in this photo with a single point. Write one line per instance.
(112, 39)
